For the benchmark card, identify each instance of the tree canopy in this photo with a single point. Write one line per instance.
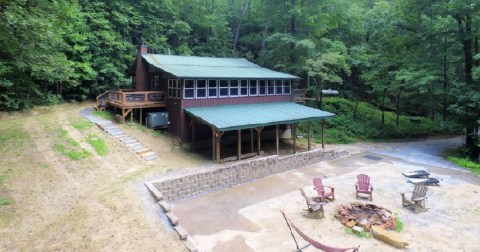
(413, 57)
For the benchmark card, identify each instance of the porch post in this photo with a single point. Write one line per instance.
(323, 134)
(141, 116)
(251, 140)
(213, 144)
(294, 136)
(192, 125)
(239, 144)
(123, 116)
(217, 144)
(277, 140)
(259, 133)
(309, 135)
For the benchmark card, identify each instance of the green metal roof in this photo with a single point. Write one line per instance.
(208, 67)
(246, 116)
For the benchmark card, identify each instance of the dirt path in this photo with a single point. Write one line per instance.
(93, 204)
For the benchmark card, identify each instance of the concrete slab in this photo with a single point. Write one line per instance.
(220, 220)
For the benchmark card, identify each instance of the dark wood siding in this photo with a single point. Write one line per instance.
(188, 103)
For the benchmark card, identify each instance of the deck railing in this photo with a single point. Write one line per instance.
(298, 95)
(128, 98)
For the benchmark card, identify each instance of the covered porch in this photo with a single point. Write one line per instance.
(254, 117)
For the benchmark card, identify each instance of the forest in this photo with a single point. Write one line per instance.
(411, 57)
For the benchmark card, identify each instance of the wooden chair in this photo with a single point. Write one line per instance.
(363, 185)
(314, 205)
(417, 201)
(320, 188)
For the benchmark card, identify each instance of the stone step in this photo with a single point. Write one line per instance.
(129, 140)
(120, 136)
(116, 133)
(142, 151)
(149, 156)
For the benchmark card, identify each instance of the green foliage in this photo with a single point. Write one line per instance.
(69, 147)
(98, 144)
(82, 124)
(367, 127)
(461, 158)
(363, 234)
(5, 201)
(105, 115)
(399, 226)
(71, 153)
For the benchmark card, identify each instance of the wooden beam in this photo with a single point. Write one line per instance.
(277, 139)
(309, 135)
(141, 116)
(259, 133)
(294, 136)
(323, 134)
(217, 144)
(213, 144)
(239, 144)
(123, 116)
(192, 125)
(251, 140)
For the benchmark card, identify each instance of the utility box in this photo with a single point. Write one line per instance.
(157, 120)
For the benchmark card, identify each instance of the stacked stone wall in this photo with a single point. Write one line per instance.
(195, 182)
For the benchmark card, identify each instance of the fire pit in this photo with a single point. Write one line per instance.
(365, 216)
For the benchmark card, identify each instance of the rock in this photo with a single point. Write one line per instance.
(350, 224)
(388, 237)
(357, 229)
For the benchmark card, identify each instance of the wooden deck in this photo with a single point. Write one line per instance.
(127, 100)
(298, 96)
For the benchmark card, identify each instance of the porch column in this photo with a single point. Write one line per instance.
(323, 134)
(141, 116)
(123, 116)
(218, 135)
(251, 140)
(309, 135)
(192, 125)
(239, 144)
(294, 136)
(213, 144)
(259, 132)
(277, 140)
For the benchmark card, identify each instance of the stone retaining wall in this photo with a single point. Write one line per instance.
(196, 182)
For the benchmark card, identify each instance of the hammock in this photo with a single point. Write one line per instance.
(312, 242)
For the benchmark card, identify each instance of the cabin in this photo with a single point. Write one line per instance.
(209, 98)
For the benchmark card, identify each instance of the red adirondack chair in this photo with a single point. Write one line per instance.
(320, 188)
(363, 185)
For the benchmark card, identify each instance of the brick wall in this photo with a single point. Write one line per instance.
(185, 184)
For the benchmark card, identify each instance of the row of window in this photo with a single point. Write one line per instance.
(227, 88)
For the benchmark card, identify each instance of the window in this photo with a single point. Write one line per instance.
(189, 89)
(279, 90)
(262, 88)
(243, 87)
(253, 87)
(201, 88)
(233, 87)
(223, 88)
(271, 87)
(157, 83)
(287, 86)
(212, 88)
(173, 89)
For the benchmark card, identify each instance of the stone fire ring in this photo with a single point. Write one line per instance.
(365, 216)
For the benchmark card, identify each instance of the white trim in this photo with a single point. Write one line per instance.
(197, 88)
(220, 88)
(216, 88)
(240, 87)
(185, 89)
